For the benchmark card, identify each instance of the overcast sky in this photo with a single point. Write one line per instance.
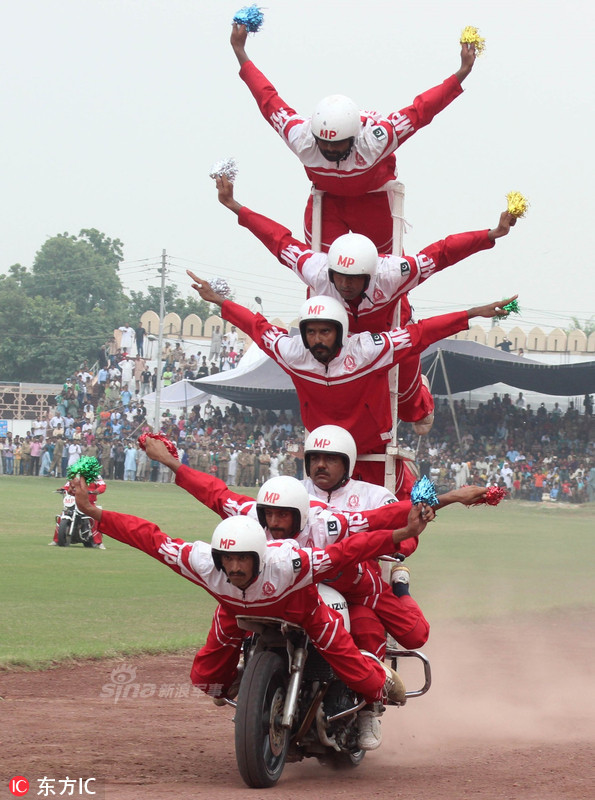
(114, 112)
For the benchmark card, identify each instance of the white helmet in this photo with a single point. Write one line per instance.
(333, 440)
(239, 535)
(321, 308)
(336, 118)
(284, 492)
(353, 254)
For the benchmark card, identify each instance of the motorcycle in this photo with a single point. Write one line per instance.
(72, 526)
(290, 704)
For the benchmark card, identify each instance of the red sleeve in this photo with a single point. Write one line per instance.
(414, 338)
(255, 325)
(274, 237)
(213, 492)
(147, 537)
(451, 250)
(360, 547)
(424, 108)
(276, 112)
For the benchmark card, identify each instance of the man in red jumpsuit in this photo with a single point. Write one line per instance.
(248, 575)
(347, 153)
(341, 380)
(368, 285)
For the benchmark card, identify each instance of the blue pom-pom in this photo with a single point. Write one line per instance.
(250, 16)
(424, 491)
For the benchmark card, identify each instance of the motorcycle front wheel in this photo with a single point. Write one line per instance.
(64, 533)
(261, 742)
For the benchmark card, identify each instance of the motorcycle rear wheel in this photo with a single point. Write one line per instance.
(261, 743)
(64, 533)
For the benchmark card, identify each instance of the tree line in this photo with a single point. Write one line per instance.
(59, 313)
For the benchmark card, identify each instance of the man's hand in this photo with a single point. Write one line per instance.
(468, 56)
(416, 523)
(225, 193)
(239, 34)
(467, 496)
(205, 291)
(492, 309)
(157, 451)
(507, 221)
(78, 488)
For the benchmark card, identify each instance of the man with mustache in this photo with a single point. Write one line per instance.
(344, 380)
(244, 574)
(347, 153)
(370, 286)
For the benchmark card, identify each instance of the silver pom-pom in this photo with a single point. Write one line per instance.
(220, 286)
(229, 168)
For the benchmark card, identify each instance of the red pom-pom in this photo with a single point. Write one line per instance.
(493, 496)
(170, 445)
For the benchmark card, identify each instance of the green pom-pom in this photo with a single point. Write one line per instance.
(511, 308)
(87, 466)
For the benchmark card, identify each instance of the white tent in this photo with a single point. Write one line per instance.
(181, 394)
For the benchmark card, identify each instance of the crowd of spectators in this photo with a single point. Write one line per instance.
(533, 453)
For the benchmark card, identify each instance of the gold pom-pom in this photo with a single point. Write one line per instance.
(471, 35)
(517, 204)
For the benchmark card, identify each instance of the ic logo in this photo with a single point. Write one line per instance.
(19, 786)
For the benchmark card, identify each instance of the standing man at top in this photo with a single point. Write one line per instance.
(347, 153)
(344, 381)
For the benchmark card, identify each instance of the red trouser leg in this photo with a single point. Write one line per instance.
(400, 616)
(367, 630)
(368, 214)
(327, 632)
(415, 400)
(97, 536)
(216, 663)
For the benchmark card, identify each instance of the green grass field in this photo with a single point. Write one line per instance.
(72, 603)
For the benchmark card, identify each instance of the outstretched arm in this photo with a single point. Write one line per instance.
(506, 222)
(239, 34)
(468, 56)
(492, 309)
(204, 289)
(225, 194)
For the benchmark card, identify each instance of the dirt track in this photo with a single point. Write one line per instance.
(509, 715)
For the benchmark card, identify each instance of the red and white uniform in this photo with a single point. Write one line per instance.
(395, 275)
(360, 584)
(351, 496)
(352, 389)
(97, 487)
(284, 588)
(351, 202)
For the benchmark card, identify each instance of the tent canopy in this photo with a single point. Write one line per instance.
(182, 394)
(470, 365)
(258, 381)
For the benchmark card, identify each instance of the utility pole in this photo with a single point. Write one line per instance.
(157, 419)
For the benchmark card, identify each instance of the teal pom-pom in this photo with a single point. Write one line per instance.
(87, 466)
(250, 16)
(424, 491)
